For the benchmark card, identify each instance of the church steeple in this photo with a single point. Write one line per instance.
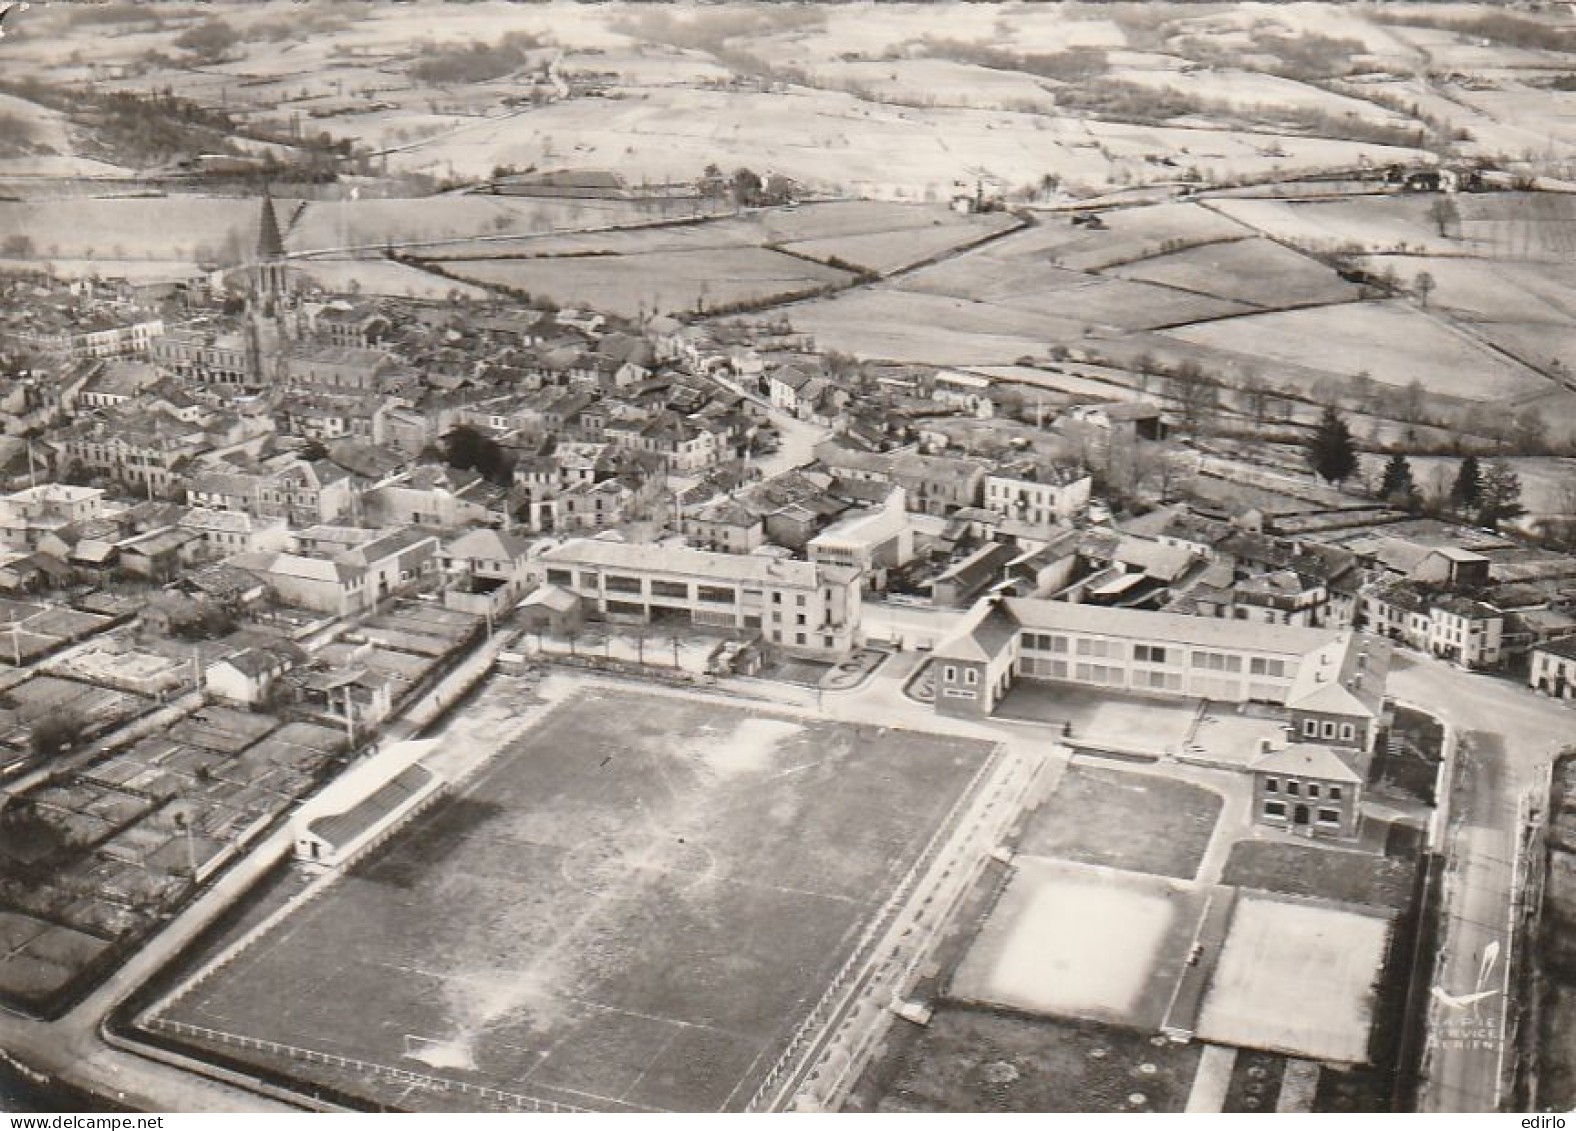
(270, 244)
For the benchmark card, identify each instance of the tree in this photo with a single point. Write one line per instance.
(1467, 491)
(1529, 431)
(1444, 214)
(1332, 453)
(1500, 495)
(1414, 401)
(1196, 398)
(1424, 286)
(746, 186)
(17, 247)
(209, 42)
(469, 450)
(1398, 486)
(1257, 393)
(55, 734)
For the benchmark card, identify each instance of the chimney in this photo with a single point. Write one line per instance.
(1266, 745)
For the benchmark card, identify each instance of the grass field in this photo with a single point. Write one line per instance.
(1321, 873)
(1296, 978)
(1070, 941)
(1135, 821)
(630, 909)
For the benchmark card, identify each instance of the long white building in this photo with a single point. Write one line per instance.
(801, 607)
(1331, 683)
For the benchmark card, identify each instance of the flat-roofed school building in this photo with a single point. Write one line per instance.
(801, 607)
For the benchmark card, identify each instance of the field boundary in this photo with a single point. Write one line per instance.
(517, 1100)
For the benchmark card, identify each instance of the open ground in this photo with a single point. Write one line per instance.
(1297, 978)
(1084, 942)
(1139, 822)
(631, 908)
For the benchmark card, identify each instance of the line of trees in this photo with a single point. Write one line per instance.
(1486, 494)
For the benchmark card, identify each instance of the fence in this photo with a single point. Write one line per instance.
(514, 1101)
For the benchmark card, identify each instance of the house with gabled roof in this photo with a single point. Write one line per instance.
(1308, 789)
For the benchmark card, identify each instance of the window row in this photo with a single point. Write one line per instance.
(1324, 816)
(1294, 788)
(1316, 728)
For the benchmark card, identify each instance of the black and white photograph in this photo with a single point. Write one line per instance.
(651, 558)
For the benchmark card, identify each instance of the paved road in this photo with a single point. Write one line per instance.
(1503, 735)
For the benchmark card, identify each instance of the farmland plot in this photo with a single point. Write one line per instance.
(1489, 290)
(1391, 342)
(1259, 272)
(664, 281)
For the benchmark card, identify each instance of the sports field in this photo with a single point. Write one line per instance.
(1297, 978)
(1073, 941)
(631, 908)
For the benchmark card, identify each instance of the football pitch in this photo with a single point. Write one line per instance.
(631, 908)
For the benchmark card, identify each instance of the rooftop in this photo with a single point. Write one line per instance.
(732, 568)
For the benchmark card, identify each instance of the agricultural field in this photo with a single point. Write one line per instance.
(140, 227)
(37, 141)
(1258, 272)
(1373, 224)
(662, 282)
(900, 325)
(1489, 290)
(384, 277)
(1393, 343)
(1126, 234)
(652, 889)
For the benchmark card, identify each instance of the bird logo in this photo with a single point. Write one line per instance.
(7, 10)
(1456, 1003)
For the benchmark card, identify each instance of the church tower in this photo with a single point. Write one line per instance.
(271, 284)
(270, 312)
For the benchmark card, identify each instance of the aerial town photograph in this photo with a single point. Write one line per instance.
(787, 557)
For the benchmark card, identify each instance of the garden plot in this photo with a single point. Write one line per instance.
(1074, 941)
(1297, 978)
(1393, 343)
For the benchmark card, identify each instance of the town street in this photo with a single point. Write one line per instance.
(1503, 734)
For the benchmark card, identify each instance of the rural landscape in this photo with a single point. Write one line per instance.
(739, 557)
